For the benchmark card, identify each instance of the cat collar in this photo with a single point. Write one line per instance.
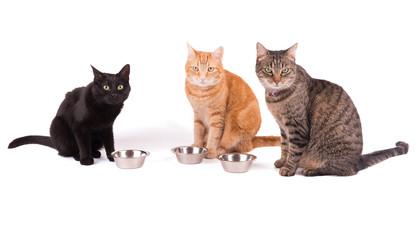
(273, 94)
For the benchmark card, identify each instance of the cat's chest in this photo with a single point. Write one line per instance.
(206, 108)
(286, 111)
(277, 113)
(96, 119)
(204, 114)
(105, 117)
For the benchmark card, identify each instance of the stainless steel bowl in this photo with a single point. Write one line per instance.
(189, 155)
(127, 159)
(236, 162)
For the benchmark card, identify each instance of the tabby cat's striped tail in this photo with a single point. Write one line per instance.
(370, 159)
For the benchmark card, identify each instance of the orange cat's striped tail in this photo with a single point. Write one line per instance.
(266, 141)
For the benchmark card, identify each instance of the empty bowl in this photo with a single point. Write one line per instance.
(236, 162)
(189, 155)
(129, 158)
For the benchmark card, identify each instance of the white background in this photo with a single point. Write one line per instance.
(46, 48)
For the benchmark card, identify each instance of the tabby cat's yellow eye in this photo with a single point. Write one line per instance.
(106, 87)
(285, 70)
(195, 69)
(268, 70)
(210, 69)
(120, 87)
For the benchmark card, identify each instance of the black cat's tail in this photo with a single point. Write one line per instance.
(370, 159)
(42, 140)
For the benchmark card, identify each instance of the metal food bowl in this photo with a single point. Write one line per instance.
(127, 159)
(236, 162)
(189, 155)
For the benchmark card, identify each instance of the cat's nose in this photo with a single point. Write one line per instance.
(277, 79)
(114, 95)
(202, 79)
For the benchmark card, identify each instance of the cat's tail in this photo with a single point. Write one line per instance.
(266, 141)
(370, 159)
(42, 140)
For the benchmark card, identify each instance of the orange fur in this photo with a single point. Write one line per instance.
(226, 111)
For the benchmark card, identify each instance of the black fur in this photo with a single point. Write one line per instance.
(84, 121)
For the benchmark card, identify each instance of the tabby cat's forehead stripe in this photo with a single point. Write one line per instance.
(276, 61)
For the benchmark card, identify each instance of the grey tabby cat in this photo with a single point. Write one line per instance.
(320, 126)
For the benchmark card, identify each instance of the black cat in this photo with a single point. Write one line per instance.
(84, 122)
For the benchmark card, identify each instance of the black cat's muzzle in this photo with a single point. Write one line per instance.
(115, 99)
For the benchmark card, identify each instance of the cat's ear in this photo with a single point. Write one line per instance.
(97, 73)
(291, 52)
(218, 54)
(191, 52)
(261, 50)
(124, 73)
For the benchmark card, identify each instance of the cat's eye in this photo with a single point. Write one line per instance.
(210, 69)
(268, 70)
(195, 69)
(120, 87)
(106, 87)
(285, 70)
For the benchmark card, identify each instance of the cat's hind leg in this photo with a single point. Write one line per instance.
(229, 142)
(328, 167)
(63, 139)
(244, 146)
(235, 139)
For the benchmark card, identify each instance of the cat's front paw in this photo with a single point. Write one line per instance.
(279, 163)
(211, 154)
(214, 154)
(111, 159)
(287, 172)
(96, 154)
(87, 161)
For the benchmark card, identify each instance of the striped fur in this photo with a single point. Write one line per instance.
(320, 126)
(226, 111)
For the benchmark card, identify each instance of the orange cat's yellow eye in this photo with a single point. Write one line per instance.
(106, 87)
(210, 69)
(195, 69)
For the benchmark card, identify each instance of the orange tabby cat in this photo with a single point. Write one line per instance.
(226, 111)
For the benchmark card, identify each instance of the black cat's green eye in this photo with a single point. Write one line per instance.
(195, 69)
(285, 70)
(210, 69)
(106, 87)
(268, 70)
(120, 87)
